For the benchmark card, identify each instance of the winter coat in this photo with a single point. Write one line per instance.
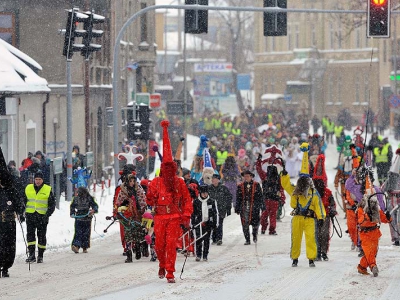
(223, 197)
(255, 197)
(80, 206)
(197, 215)
(11, 203)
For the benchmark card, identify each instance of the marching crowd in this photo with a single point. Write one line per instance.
(239, 164)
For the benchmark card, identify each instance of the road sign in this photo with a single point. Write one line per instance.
(394, 101)
(155, 100)
(89, 159)
(177, 108)
(57, 165)
(288, 97)
(142, 98)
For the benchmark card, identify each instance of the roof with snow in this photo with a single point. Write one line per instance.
(16, 74)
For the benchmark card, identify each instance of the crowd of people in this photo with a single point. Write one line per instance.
(245, 165)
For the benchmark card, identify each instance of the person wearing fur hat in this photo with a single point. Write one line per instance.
(319, 180)
(205, 213)
(39, 208)
(249, 205)
(12, 204)
(308, 211)
(170, 198)
(369, 217)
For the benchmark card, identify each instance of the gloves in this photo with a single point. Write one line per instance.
(259, 156)
(186, 222)
(147, 239)
(332, 213)
(284, 172)
(387, 215)
(22, 218)
(354, 207)
(320, 222)
(122, 208)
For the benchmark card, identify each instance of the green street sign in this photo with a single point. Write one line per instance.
(143, 98)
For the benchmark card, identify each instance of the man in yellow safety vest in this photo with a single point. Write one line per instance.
(40, 206)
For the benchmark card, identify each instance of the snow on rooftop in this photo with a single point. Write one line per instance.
(15, 75)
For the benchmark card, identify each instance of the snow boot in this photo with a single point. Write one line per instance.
(40, 256)
(318, 257)
(31, 257)
(75, 248)
(362, 270)
(396, 243)
(128, 256)
(145, 250)
(198, 258)
(255, 239)
(295, 262)
(361, 254)
(324, 257)
(161, 273)
(375, 271)
(4, 273)
(311, 263)
(273, 233)
(171, 280)
(85, 250)
(262, 231)
(219, 243)
(138, 254)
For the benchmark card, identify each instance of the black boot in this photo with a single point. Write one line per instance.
(311, 263)
(145, 249)
(138, 254)
(40, 256)
(31, 257)
(128, 256)
(295, 262)
(4, 273)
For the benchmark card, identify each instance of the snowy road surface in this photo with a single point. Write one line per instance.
(233, 271)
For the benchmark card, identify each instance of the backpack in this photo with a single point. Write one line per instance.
(271, 185)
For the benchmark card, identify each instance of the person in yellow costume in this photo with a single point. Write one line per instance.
(308, 210)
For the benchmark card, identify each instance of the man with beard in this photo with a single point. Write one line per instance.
(249, 204)
(11, 204)
(172, 204)
(307, 211)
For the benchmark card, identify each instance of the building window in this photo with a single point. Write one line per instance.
(339, 90)
(7, 27)
(331, 36)
(357, 90)
(339, 34)
(143, 24)
(384, 51)
(273, 81)
(358, 38)
(366, 89)
(330, 90)
(289, 37)
(265, 86)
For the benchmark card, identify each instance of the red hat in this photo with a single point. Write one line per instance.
(319, 169)
(167, 150)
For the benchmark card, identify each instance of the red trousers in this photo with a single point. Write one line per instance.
(270, 212)
(369, 244)
(167, 233)
(352, 225)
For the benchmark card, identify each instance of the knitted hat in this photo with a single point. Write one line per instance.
(39, 174)
(305, 169)
(203, 188)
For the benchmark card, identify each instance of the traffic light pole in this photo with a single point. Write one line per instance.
(69, 131)
(116, 101)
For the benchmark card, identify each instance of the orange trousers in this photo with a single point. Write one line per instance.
(167, 233)
(352, 225)
(369, 244)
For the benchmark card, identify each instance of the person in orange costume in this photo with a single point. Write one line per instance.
(369, 217)
(170, 198)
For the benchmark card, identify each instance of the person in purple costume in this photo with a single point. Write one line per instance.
(231, 173)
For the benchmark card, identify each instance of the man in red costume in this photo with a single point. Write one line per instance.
(172, 204)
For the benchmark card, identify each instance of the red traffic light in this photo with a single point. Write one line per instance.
(379, 2)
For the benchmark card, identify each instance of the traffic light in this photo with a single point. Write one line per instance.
(144, 118)
(196, 21)
(275, 24)
(71, 33)
(91, 33)
(378, 18)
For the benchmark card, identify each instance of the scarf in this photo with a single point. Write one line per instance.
(204, 209)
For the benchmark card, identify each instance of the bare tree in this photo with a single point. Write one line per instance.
(240, 39)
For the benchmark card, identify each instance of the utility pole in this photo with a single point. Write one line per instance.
(86, 91)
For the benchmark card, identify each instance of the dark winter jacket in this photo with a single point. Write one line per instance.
(213, 216)
(223, 197)
(80, 206)
(254, 197)
(11, 203)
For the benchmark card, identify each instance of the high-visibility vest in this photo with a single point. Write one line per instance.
(37, 201)
(236, 131)
(208, 124)
(381, 156)
(338, 130)
(324, 122)
(228, 127)
(330, 127)
(221, 157)
(216, 123)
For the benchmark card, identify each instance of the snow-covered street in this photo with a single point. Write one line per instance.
(233, 271)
